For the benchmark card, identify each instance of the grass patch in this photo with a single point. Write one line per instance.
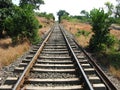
(115, 72)
(73, 20)
(82, 32)
(8, 55)
(114, 59)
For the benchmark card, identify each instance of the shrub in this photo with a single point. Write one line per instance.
(22, 24)
(101, 38)
(82, 32)
(49, 16)
(114, 58)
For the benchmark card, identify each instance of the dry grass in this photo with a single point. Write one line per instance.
(116, 33)
(46, 25)
(74, 27)
(83, 41)
(9, 54)
(115, 72)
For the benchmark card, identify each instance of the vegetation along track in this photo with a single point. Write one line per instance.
(58, 63)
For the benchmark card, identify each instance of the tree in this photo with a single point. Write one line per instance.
(117, 12)
(5, 11)
(110, 7)
(61, 13)
(101, 38)
(47, 16)
(34, 3)
(85, 13)
(51, 16)
(22, 24)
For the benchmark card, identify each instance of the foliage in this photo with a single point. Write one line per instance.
(34, 3)
(61, 13)
(66, 17)
(5, 3)
(22, 24)
(85, 13)
(101, 39)
(114, 11)
(82, 32)
(5, 11)
(47, 16)
(110, 7)
(82, 19)
(117, 10)
(114, 59)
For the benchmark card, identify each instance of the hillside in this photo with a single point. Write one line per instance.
(73, 27)
(10, 53)
(82, 32)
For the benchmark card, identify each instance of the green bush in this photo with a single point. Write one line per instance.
(117, 20)
(5, 11)
(47, 16)
(22, 24)
(82, 32)
(114, 59)
(101, 38)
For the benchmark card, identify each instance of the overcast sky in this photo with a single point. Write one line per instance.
(71, 6)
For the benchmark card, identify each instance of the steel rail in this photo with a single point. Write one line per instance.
(100, 73)
(77, 61)
(23, 77)
(109, 85)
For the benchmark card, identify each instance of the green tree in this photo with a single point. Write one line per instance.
(85, 13)
(22, 24)
(34, 3)
(101, 38)
(110, 7)
(47, 16)
(5, 11)
(117, 11)
(51, 16)
(61, 13)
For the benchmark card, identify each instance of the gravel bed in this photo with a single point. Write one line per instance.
(54, 84)
(55, 68)
(57, 46)
(54, 59)
(114, 80)
(52, 75)
(55, 55)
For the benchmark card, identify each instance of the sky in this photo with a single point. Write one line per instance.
(73, 7)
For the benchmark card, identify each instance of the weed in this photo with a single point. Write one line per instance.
(82, 32)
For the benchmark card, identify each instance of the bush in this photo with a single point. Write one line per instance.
(114, 59)
(5, 11)
(22, 24)
(101, 39)
(49, 16)
(82, 32)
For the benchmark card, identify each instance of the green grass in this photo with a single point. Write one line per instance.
(82, 32)
(73, 20)
(114, 59)
(110, 57)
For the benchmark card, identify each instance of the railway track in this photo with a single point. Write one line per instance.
(58, 63)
